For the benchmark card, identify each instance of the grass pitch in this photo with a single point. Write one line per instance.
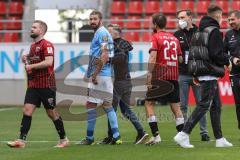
(42, 137)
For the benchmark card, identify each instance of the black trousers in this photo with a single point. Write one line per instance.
(235, 83)
(210, 99)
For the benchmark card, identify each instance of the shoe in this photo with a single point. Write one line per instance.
(183, 140)
(222, 142)
(205, 137)
(116, 141)
(141, 138)
(106, 140)
(16, 144)
(62, 143)
(154, 140)
(86, 141)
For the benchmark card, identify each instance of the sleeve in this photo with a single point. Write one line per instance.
(154, 44)
(48, 49)
(225, 44)
(103, 38)
(215, 47)
(179, 50)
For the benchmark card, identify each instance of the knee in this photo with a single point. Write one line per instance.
(52, 115)
(27, 111)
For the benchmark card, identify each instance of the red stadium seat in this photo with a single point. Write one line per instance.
(198, 18)
(171, 22)
(224, 5)
(132, 36)
(224, 24)
(16, 8)
(202, 6)
(235, 5)
(146, 36)
(147, 22)
(11, 37)
(12, 24)
(117, 20)
(133, 23)
(118, 7)
(1, 23)
(187, 5)
(169, 7)
(135, 7)
(3, 9)
(152, 7)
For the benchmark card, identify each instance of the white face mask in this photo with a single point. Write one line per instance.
(182, 24)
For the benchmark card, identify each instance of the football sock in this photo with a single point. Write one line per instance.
(60, 128)
(91, 121)
(25, 126)
(112, 118)
(152, 121)
(179, 124)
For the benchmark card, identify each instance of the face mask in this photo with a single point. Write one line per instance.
(182, 24)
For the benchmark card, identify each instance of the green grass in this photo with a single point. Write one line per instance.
(43, 130)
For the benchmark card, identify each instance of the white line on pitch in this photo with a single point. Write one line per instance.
(6, 109)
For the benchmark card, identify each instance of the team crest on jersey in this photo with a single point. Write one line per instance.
(105, 38)
(51, 101)
(37, 49)
(50, 50)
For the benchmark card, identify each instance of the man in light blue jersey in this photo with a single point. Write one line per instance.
(100, 87)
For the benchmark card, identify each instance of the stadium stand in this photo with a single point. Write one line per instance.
(137, 13)
(11, 12)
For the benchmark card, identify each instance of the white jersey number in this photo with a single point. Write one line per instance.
(168, 45)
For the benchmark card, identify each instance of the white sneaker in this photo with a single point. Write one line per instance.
(183, 140)
(222, 142)
(62, 143)
(154, 140)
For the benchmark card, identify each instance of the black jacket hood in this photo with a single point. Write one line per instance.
(207, 21)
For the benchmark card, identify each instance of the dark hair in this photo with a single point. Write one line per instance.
(188, 12)
(42, 24)
(212, 9)
(235, 12)
(95, 12)
(160, 20)
(116, 27)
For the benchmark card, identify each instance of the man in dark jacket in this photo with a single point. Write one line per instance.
(122, 84)
(210, 98)
(185, 33)
(232, 45)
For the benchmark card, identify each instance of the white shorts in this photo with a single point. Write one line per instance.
(102, 92)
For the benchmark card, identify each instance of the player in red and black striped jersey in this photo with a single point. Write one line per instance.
(39, 65)
(165, 53)
(41, 76)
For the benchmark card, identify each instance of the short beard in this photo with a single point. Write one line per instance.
(34, 36)
(97, 26)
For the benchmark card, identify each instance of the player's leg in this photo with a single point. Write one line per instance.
(129, 114)
(152, 121)
(203, 120)
(215, 115)
(174, 99)
(175, 107)
(235, 82)
(48, 98)
(112, 118)
(91, 122)
(30, 103)
(116, 99)
(184, 86)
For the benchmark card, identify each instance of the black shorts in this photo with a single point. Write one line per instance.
(36, 96)
(164, 90)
